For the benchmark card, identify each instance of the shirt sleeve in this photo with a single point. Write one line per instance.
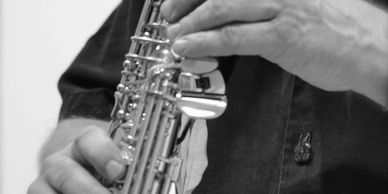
(87, 86)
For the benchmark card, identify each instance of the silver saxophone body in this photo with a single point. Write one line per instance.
(159, 97)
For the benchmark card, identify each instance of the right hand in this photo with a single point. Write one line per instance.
(70, 170)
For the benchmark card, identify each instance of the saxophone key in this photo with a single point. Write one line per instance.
(148, 59)
(147, 40)
(127, 125)
(120, 114)
(127, 153)
(127, 64)
(175, 168)
(155, 26)
(120, 88)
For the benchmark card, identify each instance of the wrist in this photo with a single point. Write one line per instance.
(371, 52)
(376, 89)
(373, 78)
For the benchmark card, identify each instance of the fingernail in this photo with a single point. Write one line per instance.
(167, 10)
(114, 169)
(179, 46)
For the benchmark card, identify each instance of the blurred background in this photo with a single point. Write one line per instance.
(38, 40)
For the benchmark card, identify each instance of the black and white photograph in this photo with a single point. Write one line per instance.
(194, 97)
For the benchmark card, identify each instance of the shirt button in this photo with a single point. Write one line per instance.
(303, 150)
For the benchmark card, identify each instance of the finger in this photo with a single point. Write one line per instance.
(215, 13)
(173, 10)
(69, 177)
(39, 186)
(97, 148)
(239, 39)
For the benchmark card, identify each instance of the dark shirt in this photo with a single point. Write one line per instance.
(261, 144)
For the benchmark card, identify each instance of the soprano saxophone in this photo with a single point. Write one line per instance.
(159, 97)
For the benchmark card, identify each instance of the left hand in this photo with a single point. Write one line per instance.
(332, 44)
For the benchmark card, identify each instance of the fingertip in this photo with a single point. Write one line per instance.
(166, 11)
(193, 45)
(114, 169)
(180, 47)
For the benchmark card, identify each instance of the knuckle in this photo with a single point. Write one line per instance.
(196, 44)
(58, 170)
(95, 148)
(78, 143)
(62, 181)
(200, 39)
(228, 37)
(64, 175)
(287, 30)
(49, 163)
(218, 10)
(93, 136)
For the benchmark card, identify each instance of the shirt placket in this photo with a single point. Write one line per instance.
(300, 154)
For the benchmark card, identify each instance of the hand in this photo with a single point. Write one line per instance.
(334, 45)
(66, 170)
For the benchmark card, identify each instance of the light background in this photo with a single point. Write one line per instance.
(38, 40)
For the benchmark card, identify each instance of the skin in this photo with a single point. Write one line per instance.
(76, 147)
(334, 45)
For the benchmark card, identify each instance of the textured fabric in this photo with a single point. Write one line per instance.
(252, 147)
(193, 151)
